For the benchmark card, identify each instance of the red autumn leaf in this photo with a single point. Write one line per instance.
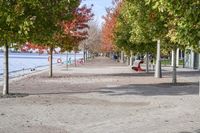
(109, 27)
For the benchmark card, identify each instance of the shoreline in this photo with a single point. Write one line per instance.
(23, 61)
(35, 72)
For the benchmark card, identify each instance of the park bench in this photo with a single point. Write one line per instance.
(137, 65)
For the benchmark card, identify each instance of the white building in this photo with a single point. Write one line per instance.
(192, 59)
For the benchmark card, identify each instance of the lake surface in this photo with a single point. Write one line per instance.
(32, 61)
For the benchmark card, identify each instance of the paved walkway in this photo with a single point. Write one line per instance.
(102, 96)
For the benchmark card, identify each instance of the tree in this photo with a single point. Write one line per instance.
(67, 33)
(183, 26)
(15, 23)
(108, 29)
(32, 19)
(172, 23)
(93, 42)
(132, 30)
(47, 26)
(77, 28)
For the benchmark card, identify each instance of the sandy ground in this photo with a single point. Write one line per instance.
(101, 96)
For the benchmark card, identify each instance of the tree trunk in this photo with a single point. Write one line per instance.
(6, 71)
(51, 62)
(158, 71)
(92, 55)
(172, 58)
(67, 61)
(177, 57)
(122, 56)
(184, 59)
(128, 60)
(109, 55)
(147, 62)
(131, 59)
(75, 59)
(174, 79)
(84, 56)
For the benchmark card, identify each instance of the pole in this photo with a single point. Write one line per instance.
(158, 73)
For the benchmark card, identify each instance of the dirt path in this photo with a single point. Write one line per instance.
(101, 96)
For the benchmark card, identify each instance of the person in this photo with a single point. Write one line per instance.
(115, 57)
(151, 60)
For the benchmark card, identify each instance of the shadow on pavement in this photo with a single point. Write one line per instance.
(155, 89)
(14, 95)
(185, 73)
(85, 75)
(164, 89)
(196, 131)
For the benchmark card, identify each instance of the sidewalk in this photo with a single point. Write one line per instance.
(102, 96)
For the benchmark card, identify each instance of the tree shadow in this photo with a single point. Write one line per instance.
(70, 92)
(85, 75)
(14, 95)
(133, 74)
(185, 73)
(138, 74)
(163, 89)
(185, 132)
(154, 89)
(196, 131)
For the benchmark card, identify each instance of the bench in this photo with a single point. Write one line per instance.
(136, 65)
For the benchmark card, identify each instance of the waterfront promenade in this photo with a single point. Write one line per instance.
(102, 96)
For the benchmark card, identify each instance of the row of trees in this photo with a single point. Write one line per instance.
(139, 24)
(44, 24)
(92, 44)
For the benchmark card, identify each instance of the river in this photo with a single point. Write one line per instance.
(21, 63)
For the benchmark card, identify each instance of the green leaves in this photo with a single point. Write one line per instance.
(183, 20)
(15, 23)
(143, 21)
(36, 20)
(134, 29)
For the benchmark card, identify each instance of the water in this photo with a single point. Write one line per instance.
(21, 63)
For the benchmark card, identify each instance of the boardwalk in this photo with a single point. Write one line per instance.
(101, 96)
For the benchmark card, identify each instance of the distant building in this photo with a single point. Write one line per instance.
(192, 59)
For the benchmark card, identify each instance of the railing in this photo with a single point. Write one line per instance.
(26, 71)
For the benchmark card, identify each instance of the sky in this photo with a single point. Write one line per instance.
(98, 8)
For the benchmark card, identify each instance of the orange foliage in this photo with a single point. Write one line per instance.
(109, 26)
(76, 27)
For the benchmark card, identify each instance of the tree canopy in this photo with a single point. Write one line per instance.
(16, 22)
(139, 23)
